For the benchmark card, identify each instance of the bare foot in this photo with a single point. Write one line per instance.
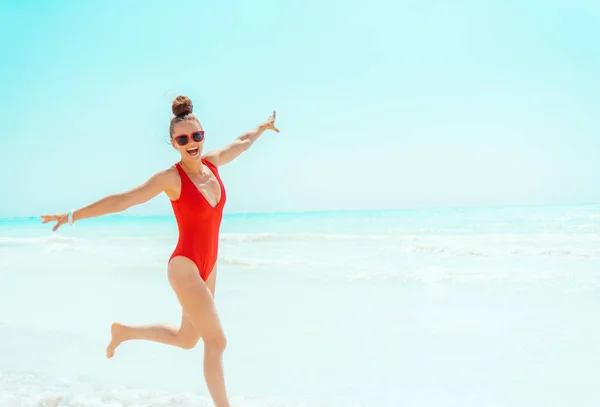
(117, 336)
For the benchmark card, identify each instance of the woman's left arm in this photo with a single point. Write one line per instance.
(228, 153)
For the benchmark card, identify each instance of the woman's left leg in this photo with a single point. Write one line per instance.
(185, 337)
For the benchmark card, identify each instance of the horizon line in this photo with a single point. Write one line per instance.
(347, 210)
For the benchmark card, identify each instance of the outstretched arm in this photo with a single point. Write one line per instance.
(116, 202)
(228, 153)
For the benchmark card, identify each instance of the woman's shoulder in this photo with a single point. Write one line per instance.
(170, 181)
(167, 172)
(210, 160)
(168, 176)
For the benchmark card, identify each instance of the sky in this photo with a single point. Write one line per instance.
(381, 104)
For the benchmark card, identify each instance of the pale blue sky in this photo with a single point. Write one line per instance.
(381, 104)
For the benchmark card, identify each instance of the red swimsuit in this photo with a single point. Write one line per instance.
(198, 223)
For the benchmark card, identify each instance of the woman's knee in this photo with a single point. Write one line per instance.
(215, 342)
(188, 342)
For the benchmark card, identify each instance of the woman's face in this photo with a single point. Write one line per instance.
(188, 139)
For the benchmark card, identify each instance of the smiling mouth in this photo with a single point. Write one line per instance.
(192, 151)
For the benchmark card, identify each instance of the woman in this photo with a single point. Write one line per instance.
(197, 196)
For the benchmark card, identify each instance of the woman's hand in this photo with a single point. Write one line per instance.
(231, 151)
(269, 124)
(60, 220)
(159, 182)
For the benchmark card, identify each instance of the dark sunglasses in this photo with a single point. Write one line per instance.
(183, 139)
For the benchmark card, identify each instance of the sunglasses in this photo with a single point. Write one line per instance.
(183, 139)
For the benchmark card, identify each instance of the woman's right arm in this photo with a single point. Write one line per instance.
(116, 202)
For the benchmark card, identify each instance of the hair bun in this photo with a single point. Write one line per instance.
(182, 105)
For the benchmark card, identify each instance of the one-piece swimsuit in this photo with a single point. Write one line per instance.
(198, 222)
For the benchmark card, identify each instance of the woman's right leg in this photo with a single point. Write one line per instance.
(185, 337)
(198, 306)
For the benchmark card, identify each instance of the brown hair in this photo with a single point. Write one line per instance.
(182, 109)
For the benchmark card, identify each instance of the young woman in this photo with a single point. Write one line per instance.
(197, 196)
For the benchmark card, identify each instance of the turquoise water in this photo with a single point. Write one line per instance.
(437, 307)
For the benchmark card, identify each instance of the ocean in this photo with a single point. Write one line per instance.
(469, 307)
